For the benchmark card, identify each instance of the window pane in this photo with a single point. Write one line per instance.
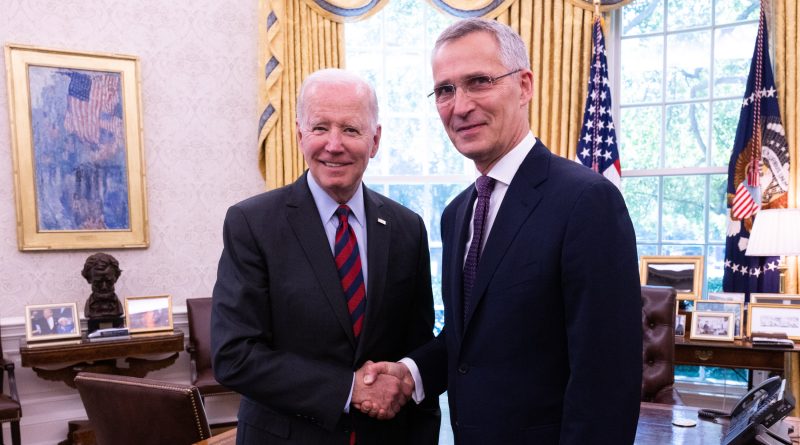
(443, 158)
(687, 135)
(441, 195)
(642, 62)
(731, 60)
(688, 63)
(397, 34)
(681, 250)
(683, 209)
(726, 118)
(729, 11)
(717, 208)
(642, 17)
(715, 259)
(402, 142)
(683, 15)
(641, 197)
(646, 249)
(402, 79)
(640, 148)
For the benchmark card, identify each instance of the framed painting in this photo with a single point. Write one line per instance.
(774, 319)
(148, 314)
(712, 326)
(723, 306)
(731, 297)
(45, 322)
(790, 299)
(77, 149)
(684, 273)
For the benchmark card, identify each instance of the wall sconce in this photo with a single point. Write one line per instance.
(776, 232)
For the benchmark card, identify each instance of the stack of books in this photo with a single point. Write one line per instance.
(771, 339)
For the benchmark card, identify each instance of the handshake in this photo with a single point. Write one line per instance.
(381, 389)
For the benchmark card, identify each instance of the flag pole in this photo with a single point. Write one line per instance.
(596, 8)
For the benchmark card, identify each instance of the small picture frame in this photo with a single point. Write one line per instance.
(733, 297)
(684, 273)
(45, 322)
(774, 319)
(148, 313)
(716, 326)
(725, 306)
(680, 325)
(788, 299)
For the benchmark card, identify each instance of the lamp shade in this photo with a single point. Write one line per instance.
(776, 232)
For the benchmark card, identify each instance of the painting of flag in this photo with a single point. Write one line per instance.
(79, 150)
(77, 146)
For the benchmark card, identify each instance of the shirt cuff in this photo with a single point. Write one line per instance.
(350, 397)
(419, 392)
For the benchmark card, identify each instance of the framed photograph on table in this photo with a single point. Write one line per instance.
(76, 133)
(731, 297)
(723, 306)
(148, 314)
(57, 321)
(712, 326)
(684, 273)
(790, 299)
(774, 319)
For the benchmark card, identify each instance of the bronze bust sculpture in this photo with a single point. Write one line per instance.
(102, 271)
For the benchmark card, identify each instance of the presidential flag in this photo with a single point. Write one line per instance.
(597, 147)
(758, 175)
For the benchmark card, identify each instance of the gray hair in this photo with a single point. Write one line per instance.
(338, 76)
(513, 54)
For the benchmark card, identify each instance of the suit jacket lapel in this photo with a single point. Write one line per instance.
(304, 220)
(520, 200)
(378, 240)
(458, 250)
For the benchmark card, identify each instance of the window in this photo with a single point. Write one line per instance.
(682, 68)
(416, 164)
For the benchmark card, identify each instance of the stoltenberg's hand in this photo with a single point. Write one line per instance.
(381, 389)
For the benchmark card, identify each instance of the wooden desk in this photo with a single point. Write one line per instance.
(61, 362)
(738, 354)
(656, 428)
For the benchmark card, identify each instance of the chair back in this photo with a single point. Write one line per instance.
(133, 411)
(658, 345)
(199, 313)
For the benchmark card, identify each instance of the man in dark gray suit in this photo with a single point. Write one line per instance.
(542, 342)
(315, 279)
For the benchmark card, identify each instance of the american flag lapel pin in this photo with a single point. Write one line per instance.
(381, 221)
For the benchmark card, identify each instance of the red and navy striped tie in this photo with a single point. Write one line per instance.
(348, 263)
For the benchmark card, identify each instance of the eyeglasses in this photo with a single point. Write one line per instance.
(474, 86)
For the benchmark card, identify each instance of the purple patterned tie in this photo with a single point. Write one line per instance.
(484, 184)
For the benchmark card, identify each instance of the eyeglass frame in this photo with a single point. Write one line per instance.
(491, 80)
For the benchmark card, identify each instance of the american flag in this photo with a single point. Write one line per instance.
(94, 106)
(758, 174)
(597, 147)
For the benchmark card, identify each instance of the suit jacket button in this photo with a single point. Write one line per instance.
(463, 368)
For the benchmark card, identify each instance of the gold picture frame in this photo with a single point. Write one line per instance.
(151, 313)
(774, 319)
(735, 308)
(684, 273)
(772, 298)
(55, 321)
(717, 326)
(76, 131)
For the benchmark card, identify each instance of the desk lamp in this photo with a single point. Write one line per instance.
(776, 232)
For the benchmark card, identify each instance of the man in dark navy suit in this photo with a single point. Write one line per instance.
(542, 341)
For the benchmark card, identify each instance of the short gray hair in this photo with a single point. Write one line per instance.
(339, 76)
(513, 54)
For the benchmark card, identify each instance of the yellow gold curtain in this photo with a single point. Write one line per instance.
(782, 21)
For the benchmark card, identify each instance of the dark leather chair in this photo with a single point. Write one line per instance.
(199, 347)
(10, 408)
(658, 345)
(134, 411)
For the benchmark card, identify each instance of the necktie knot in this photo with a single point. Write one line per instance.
(485, 185)
(342, 213)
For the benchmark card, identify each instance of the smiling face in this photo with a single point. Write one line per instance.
(338, 134)
(486, 127)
